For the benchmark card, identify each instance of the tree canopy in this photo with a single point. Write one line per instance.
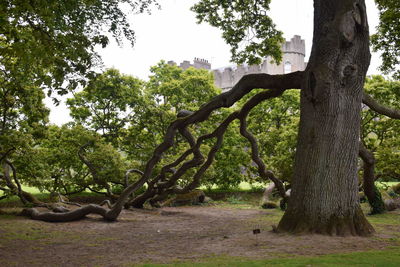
(52, 43)
(387, 38)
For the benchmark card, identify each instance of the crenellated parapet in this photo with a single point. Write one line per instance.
(296, 45)
(198, 63)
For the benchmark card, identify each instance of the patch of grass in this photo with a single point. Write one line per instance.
(18, 228)
(235, 199)
(384, 258)
(272, 216)
(22, 231)
(388, 218)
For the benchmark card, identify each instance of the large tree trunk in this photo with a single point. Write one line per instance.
(324, 195)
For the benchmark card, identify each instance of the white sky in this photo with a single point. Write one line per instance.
(172, 34)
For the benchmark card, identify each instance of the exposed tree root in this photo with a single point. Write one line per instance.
(62, 200)
(352, 224)
(66, 216)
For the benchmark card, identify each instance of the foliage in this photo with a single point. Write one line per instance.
(379, 133)
(49, 45)
(245, 26)
(53, 42)
(387, 38)
(54, 165)
(108, 104)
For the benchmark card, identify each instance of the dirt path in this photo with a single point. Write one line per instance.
(164, 235)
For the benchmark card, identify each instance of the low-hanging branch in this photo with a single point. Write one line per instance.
(381, 109)
(19, 187)
(276, 83)
(157, 185)
(227, 99)
(218, 133)
(263, 172)
(169, 186)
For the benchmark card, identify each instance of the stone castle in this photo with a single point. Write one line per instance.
(226, 77)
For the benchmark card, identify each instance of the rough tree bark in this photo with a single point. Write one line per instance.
(324, 187)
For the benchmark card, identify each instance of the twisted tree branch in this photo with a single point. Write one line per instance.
(278, 83)
(245, 85)
(373, 195)
(219, 134)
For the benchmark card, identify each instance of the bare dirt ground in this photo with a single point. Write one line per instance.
(167, 235)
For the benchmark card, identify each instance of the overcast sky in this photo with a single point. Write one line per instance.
(172, 34)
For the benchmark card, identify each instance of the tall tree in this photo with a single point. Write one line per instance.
(324, 186)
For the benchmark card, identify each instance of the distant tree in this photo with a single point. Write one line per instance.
(380, 133)
(72, 159)
(23, 117)
(108, 104)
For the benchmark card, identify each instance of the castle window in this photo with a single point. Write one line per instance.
(287, 67)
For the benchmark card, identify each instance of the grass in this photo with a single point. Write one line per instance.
(384, 258)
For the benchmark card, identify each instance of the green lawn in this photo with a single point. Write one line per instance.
(385, 258)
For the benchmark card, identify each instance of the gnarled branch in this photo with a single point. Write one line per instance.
(373, 195)
(277, 84)
(245, 85)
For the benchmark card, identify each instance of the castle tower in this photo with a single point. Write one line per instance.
(293, 54)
